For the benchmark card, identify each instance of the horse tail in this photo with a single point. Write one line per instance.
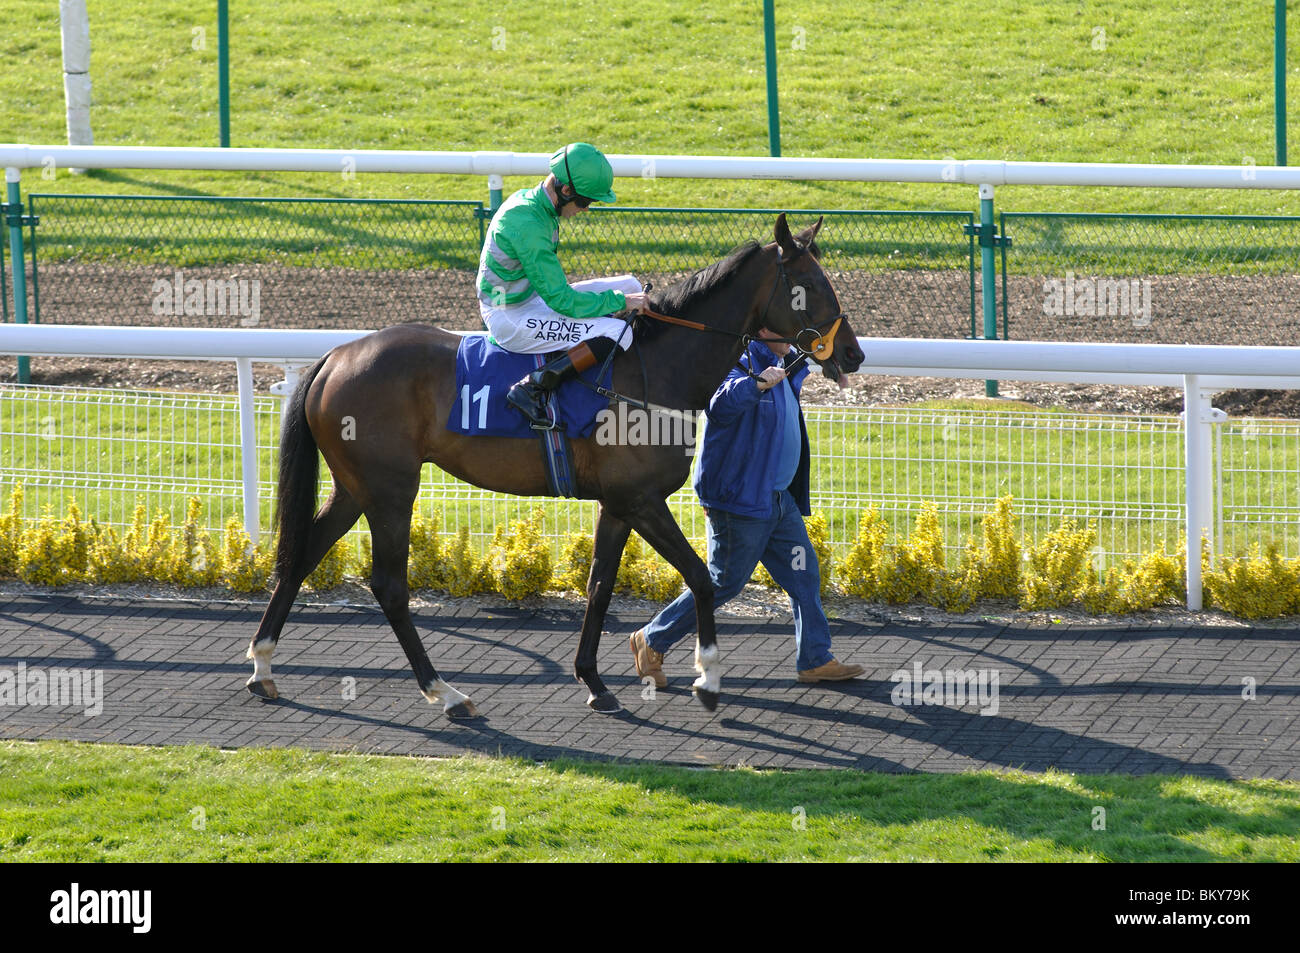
(299, 474)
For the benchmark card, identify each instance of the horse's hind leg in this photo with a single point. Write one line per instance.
(390, 530)
(335, 518)
(607, 550)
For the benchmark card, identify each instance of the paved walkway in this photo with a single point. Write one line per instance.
(1139, 699)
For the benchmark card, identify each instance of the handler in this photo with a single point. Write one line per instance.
(752, 479)
(527, 302)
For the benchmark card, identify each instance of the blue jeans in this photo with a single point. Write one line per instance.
(736, 545)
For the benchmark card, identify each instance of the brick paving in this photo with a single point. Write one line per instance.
(1138, 699)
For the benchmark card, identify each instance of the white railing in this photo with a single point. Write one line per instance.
(938, 171)
(1199, 370)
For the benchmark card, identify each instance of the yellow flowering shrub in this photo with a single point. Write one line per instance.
(1259, 585)
(1055, 572)
(643, 572)
(521, 559)
(363, 565)
(1057, 568)
(464, 571)
(918, 562)
(575, 563)
(38, 558)
(424, 566)
(330, 571)
(196, 560)
(997, 562)
(244, 568)
(861, 569)
(11, 531)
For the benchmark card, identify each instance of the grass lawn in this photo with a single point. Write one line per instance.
(1128, 80)
(62, 801)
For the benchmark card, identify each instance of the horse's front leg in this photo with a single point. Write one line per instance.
(607, 551)
(654, 521)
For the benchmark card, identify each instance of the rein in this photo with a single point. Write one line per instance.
(820, 347)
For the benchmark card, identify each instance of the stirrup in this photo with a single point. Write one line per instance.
(541, 422)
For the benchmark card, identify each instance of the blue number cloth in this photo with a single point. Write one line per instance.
(484, 372)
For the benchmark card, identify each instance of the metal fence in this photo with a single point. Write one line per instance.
(347, 263)
(1152, 279)
(336, 263)
(899, 274)
(108, 449)
(315, 263)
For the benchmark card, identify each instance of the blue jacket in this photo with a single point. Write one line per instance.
(739, 456)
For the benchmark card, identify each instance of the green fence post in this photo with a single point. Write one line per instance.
(223, 70)
(14, 219)
(495, 185)
(1279, 78)
(988, 275)
(971, 232)
(1005, 242)
(773, 110)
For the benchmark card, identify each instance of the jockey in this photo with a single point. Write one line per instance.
(525, 299)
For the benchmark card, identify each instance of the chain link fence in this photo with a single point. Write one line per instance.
(1152, 279)
(898, 274)
(334, 263)
(276, 263)
(206, 261)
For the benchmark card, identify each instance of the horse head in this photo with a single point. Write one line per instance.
(804, 305)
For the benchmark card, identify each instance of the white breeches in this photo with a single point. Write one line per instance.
(533, 328)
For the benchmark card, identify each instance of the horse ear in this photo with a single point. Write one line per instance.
(808, 234)
(783, 236)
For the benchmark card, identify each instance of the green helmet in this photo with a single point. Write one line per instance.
(583, 166)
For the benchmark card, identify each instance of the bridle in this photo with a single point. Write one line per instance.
(820, 346)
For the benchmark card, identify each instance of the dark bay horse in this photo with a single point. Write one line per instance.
(377, 407)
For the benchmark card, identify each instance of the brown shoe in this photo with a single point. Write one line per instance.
(648, 661)
(832, 671)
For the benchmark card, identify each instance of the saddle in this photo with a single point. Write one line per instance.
(486, 371)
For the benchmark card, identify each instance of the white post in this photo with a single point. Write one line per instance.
(1197, 418)
(248, 446)
(284, 389)
(75, 25)
(1217, 548)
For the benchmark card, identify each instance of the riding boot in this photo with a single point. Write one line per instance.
(529, 395)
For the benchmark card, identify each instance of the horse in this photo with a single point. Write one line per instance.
(376, 410)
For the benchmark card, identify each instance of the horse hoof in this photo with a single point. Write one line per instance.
(462, 711)
(605, 703)
(263, 689)
(707, 698)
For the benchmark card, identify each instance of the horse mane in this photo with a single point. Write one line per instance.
(680, 296)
